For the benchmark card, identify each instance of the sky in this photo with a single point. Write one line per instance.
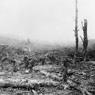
(45, 20)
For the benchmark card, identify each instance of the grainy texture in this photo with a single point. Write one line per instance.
(45, 78)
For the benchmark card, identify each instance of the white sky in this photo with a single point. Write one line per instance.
(45, 20)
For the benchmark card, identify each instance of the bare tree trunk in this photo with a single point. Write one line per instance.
(76, 32)
(85, 39)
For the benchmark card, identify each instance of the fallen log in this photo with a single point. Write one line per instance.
(25, 81)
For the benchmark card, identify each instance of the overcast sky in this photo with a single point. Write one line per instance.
(45, 20)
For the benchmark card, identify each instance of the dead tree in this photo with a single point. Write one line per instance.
(84, 39)
(76, 33)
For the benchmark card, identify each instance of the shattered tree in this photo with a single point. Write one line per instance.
(76, 32)
(85, 39)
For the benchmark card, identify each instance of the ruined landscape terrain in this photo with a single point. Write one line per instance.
(46, 72)
(46, 47)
